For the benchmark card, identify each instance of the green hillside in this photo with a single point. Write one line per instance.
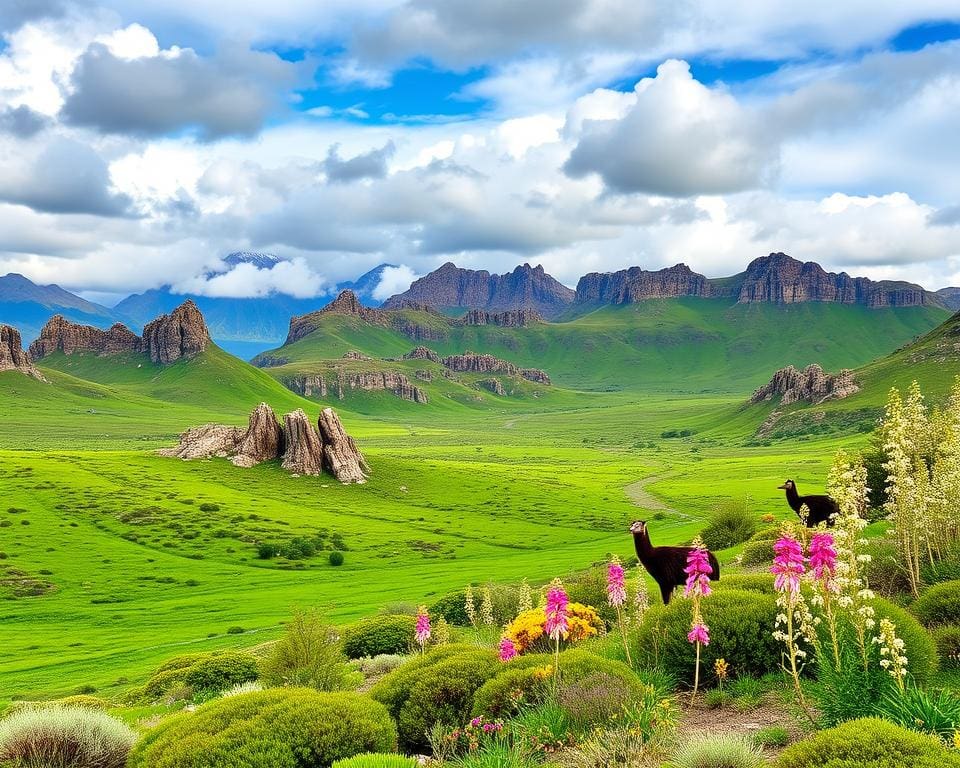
(673, 345)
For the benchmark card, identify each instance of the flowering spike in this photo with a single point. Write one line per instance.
(616, 587)
(508, 649)
(422, 631)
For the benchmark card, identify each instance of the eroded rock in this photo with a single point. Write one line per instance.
(810, 385)
(204, 442)
(60, 335)
(303, 451)
(12, 355)
(341, 456)
(182, 333)
(263, 440)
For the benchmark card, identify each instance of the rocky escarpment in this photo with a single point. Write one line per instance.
(636, 284)
(12, 355)
(182, 333)
(303, 448)
(810, 385)
(471, 362)
(339, 382)
(512, 318)
(422, 353)
(450, 286)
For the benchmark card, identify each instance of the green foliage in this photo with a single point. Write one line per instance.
(520, 684)
(947, 640)
(376, 760)
(379, 634)
(939, 605)
(945, 569)
(936, 713)
(731, 523)
(84, 700)
(741, 626)
(282, 728)
(63, 736)
(221, 671)
(746, 582)
(868, 742)
(593, 700)
(885, 574)
(308, 655)
(772, 736)
(381, 664)
(453, 608)
(721, 751)
(919, 644)
(335, 559)
(756, 553)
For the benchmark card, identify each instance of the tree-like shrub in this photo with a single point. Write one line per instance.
(221, 671)
(947, 640)
(453, 608)
(731, 523)
(308, 655)
(720, 751)
(939, 605)
(504, 600)
(741, 631)
(60, 736)
(868, 743)
(757, 553)
(379, 634)
(376, 760)
(282, 728)
(336, 558)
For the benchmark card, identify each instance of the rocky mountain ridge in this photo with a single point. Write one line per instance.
(12, 355)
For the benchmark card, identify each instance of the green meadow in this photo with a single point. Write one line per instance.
(113, 558)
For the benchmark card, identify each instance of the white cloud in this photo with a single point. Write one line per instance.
(294, 278)
(394, 280)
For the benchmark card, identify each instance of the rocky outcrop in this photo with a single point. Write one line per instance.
(493, 385)
(318, 385)
(422, 353)
(303, 453)
(471, 362)
(810, 385)
(354, 355)
(182, 333)
(60, 335)
(450, 286)
(12, 355)
(636, 284)
(512, 318)
(340, 453)
(346, 304)
(298, 442)
(263, 440)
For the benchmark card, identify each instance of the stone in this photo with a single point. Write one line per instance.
(511, 318)
(12, 355)
(810, 385)
(263, 440)
(493, 385)
(341, 456)
(636, 284)
(205, 441)
(60, 335)
(422, 353)
(368, 381)
(303, 451)
(182, 333)
(471, 362)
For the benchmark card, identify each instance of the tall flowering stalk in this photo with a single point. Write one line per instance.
(507, 650)
(792, 621)
(641, 597)
(525, 599)
(422, 631)
(470, 606)
(892, 655)
(557, 626)
(486, 607)
(823, 568)
(698, 572)
(617, 597)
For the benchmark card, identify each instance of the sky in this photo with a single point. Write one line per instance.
(143, 140)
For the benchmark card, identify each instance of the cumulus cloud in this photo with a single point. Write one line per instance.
(394, 280)
(369, 165)
(22, 122)
(14, 13)
(679, 138)
(948, 216)
(294, 278)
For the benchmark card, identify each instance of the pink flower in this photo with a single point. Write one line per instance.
(492, 727)
(422, 631)
(788, 564)
(616, 588)
(508, 649)
(475, 723)
(556, 625)
(823, 556)
(699, 633)
(698, 572)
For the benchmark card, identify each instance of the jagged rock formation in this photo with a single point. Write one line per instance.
(471, 362)
(450, 286)
(809, 385)
(60, 335)
(636, 284)
(305, 449)
(340, 453)
(354, 355)
(12, 355)
(263, 440)
(512, 318)
(493, 385)
(422, 353)
(182, 333)
(374, 381)
(423, 375)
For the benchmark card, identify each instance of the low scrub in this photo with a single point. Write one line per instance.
(308, 655)
(379, 635)
(731, 523)
(939, 605)
(375, 760)
(721, 751)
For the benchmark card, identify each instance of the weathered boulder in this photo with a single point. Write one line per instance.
(493, 385)
(182, 333)
(341, 456)
(204, 442)
(368, 381)
(809, 385)
(422, 353)
(303, 451)
(12, 355)
(263, 440)
(60, 335)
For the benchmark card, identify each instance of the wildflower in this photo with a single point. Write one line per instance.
(721, 669)
(422, 631)
(486, 607)
(698, 571)
(508, 649)
(700, 633)
(441, 632)
(525, 601)
(788, 568)
(893, 659)
(788, 564)
(475, 723)
(823, 556)
(557, 625)
(641, 598)
(616, 588)
(470, 606)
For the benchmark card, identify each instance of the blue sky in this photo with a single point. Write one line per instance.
(141, 141)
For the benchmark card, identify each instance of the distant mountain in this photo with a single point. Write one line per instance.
(364, 286)
(949, 297)
(27, 306)
(257, 258)
(774, 279)
(452, 287)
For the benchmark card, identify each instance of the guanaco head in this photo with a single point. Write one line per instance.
(787, 486)
(638, 526)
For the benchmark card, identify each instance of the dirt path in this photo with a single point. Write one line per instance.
(639, 495)
(699, 719)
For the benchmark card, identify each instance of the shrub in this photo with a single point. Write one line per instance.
(521, 683)
(395, 687)
(946, 568)
(381, 664)
(741, 627)
(375, 760)
(84, 700)
(221, 671)
(947, 640)
(919, 645)
(730, 524)
(453, 608)
(772, 736)
(590, 588)
(885, 574)
(181, 662)
(207, 507)
(721, 751)
(308, 655)
(282, 728)
(936, 713)
(868, 743)
(379, 634)
(748, 582)
(266, 550)
(503, 598)
(64, 737)
(757, 553)
(335, 558)
(939, 605)
(593, 700)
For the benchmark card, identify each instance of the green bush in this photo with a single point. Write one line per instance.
(282, 728)
(503, 598)
(521, 683)
(379, 634)
(221, 671)
(936, 713)
(741, 626)
(939, 605)
(163, 681)
(731, 523)
(945, 569)
(393, 689)
(721, 751)
(868, 743)
(747, 582)
(757, 553)
(84, 700)
(64, 737)
(308, 655)
(921, 651)
(590, 588)
(947, 640)
(335, 559)
(453, 608)
(181, 662)
(884, 572)
(375, 760)
(593, 700)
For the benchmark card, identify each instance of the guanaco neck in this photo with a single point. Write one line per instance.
(793, 498)
(641, 542)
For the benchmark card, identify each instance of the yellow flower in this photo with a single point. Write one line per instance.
(582, 622)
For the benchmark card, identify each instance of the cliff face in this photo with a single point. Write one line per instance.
(12, 355)
(636, 284)
(511, 318)
(471, 362)
(450, 286)
(375, 381)
(182, 333)
(810, 385)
